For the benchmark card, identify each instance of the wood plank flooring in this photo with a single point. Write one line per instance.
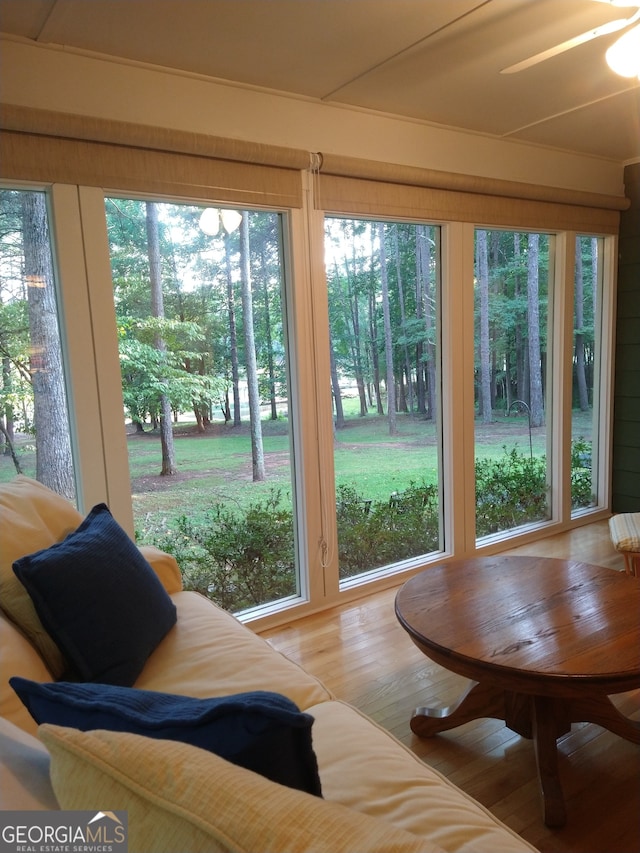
(362, 654)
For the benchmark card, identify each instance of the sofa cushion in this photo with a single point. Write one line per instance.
(211, 653)
(17, 657)
(364, 768)
(99, 599)
(32, 517)
(262, 731)
(24, 771)
(182, 798)
(165, 566)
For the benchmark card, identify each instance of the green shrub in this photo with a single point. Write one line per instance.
(510, 491)
(581, 475)
(239, 559)
(243, 558)
(375, 533)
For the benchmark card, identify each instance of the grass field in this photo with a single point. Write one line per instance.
(216, 466)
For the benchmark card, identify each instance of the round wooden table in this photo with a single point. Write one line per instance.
(544, 641)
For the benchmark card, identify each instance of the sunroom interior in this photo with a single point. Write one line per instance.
(329, 115)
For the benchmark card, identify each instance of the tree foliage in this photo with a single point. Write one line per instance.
(32, 372)
(221, 313)
(201, 325)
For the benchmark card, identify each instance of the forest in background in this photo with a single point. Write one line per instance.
(202, 333)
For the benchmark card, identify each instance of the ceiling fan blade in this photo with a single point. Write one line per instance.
(605, 29)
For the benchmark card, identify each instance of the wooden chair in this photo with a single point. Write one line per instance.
(625, 535)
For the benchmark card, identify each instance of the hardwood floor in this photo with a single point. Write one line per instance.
(363, 655)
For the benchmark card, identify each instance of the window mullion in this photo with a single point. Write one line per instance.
(75, 318)
(559, 395)
(112, 433)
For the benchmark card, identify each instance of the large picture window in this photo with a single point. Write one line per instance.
(383, 283)
(511, 379)
(199, 298)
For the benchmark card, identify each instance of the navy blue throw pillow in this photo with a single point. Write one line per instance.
(99, 600)
(262, 731)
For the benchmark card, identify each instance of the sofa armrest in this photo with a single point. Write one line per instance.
(165, 566)
(18, 657)
(24, 771)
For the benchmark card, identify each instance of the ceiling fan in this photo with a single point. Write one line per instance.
(622, 56)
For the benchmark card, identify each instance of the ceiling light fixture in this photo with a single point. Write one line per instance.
(623, 56)
(627, 48)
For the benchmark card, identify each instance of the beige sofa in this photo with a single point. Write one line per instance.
(377, 796)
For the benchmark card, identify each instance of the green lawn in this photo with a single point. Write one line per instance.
(216, 467)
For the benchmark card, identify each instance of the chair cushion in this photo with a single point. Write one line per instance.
(99, 599)
(264, 732)
(625, 531)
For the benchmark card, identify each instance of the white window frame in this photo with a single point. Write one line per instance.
(80, 245)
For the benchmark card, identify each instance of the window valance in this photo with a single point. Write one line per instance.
(50, 147)
(347, 185)
(45, 146)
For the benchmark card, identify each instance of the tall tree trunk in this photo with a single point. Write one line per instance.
(388, 343)
(426, 308)
(375, 360)
(581, 378)
(225, 408)
(269, 348)
(484, 354)
(157, 310)
(8, 409)
(335, 386)
(354, 304)
(350, 310)
(494, 331)
(233, 334)
(257, 452)
(9, 448)
(403, 321)
(533, 322)
(422, 264)
(54, 464)
(522, 387)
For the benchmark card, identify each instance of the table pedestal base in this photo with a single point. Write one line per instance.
(541, 718)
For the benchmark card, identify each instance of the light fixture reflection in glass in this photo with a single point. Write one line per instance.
(231, 219)
(623, 56)
(211, 218)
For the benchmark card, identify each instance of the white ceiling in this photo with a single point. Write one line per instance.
(438, 61)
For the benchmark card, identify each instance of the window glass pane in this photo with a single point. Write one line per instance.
(586, 372)
(511, 364)
(203, 352)
(383, 288)
(34, 419)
